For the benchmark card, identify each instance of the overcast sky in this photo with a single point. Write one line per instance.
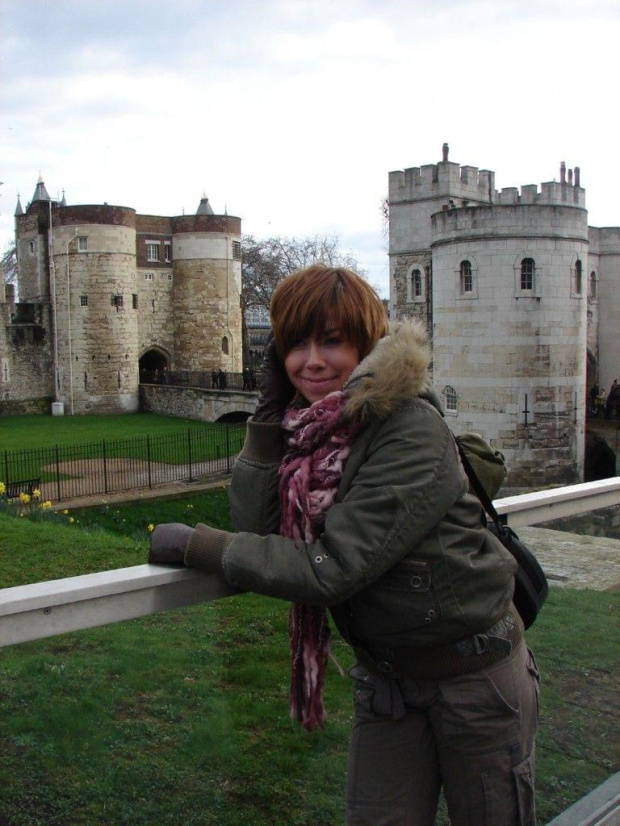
(291, 113)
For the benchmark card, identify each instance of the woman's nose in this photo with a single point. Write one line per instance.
(315, 355)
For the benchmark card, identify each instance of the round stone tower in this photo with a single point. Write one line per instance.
(510, 327)
(206, 256)
(93, 288)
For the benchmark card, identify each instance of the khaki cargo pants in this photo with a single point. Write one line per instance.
(474, 735)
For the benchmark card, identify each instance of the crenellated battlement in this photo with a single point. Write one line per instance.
(550, 194)
(443, 179)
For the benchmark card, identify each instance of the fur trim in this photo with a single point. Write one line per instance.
(396, 371)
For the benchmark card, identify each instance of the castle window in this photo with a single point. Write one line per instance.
(593, 286)
(83, 301)
(467, 278)
(236, 250)
(577, 278)
(31, 247)
(417, 283)
(225, 345)
(167, 252)
(169, 276)
(134, 301)
(528, 269)
(415, 286)
(152, 250)
(116, 301)
(148, 276)
(5, 371)
(450, 399)
(82, 243)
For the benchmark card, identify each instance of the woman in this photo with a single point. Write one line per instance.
(349, 495)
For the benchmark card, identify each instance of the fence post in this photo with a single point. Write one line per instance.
(148, 457)
(227, 448)
(57, 473)
(189, 453)
(105, 468)
(6, 468)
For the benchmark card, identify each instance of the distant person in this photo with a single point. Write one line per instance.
(349, 496)
(221, 379)
(593, 395)
(215, 383)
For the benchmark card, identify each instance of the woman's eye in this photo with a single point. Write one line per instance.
(332, 340)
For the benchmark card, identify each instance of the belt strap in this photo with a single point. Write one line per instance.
(448, 660)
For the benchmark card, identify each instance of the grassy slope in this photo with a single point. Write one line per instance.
(25, 432)
(182, 717)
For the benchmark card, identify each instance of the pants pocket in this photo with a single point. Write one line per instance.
(509, 798)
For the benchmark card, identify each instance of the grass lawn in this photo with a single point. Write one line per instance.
(182, 717)
(26, 432)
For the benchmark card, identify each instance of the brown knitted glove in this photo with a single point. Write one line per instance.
(168, 543)
(276, 390)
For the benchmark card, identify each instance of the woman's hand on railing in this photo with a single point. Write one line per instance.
(168, 543)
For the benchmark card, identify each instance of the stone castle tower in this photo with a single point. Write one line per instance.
(510, 285)
(121, 292)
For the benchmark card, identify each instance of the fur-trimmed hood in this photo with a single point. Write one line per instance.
(396, 371)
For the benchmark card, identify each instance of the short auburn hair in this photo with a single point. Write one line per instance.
(308, 301)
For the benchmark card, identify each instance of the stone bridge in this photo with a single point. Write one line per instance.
(197, 402)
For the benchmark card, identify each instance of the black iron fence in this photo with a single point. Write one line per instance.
(114, 465)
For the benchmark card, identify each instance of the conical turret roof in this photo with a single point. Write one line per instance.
(40, 193)
(204, 207)
(18, 209)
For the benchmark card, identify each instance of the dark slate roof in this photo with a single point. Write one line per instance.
(204, 208)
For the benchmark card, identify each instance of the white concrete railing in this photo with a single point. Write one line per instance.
(30, 612)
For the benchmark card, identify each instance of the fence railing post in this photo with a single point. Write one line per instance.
(105, 467)
(148, 458)
(57, 473)
(189, 454)
(227, 447)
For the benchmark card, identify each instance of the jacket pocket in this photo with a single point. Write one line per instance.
(402, 600)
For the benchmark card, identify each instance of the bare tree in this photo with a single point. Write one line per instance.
(8, 265)
(267, 261)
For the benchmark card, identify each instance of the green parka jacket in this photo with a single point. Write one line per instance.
(404, 559)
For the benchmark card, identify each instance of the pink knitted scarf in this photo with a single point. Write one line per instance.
(310, 473)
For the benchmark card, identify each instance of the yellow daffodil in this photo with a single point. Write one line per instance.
(24, 498)
(150, 527)
(36, 493)
(65, 512)
(2, 488)
(71, 520)
(45, 506)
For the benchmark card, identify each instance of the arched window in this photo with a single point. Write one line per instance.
(528, 269)
(416, 277)
(578, 274)
(225, 345)
(450, 398)
(593, 285)
(467, 278)
(415, 285)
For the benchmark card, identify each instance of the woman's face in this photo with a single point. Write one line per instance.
(321, 364)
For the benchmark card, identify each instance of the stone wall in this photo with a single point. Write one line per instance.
(194, 403)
